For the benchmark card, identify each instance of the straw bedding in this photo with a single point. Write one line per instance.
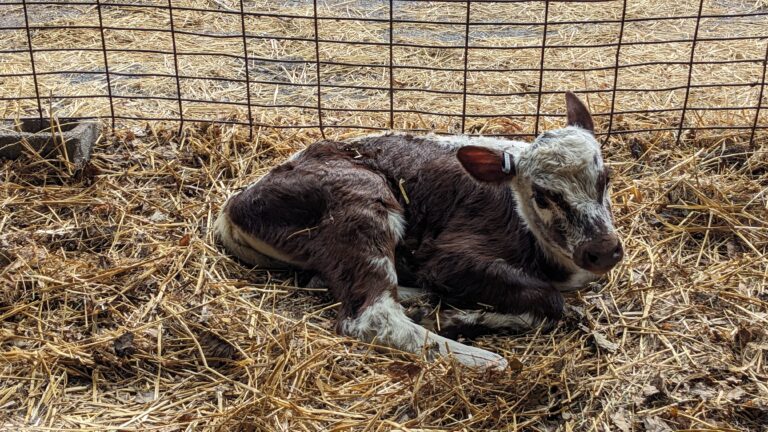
(117, 311)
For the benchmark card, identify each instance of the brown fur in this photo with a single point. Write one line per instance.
(328, 209)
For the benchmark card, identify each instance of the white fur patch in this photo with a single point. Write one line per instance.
(396, 224)
(295, 155)
(408, 293)
(577, 281)
(499, 321)
(385, 323)
(469, 355)
(456, 141)
(386, 265)
(522, 321)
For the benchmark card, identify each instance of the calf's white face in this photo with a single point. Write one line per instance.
(562, 189)
(561, 185)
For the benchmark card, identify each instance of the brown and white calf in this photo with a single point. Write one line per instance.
(476, 222)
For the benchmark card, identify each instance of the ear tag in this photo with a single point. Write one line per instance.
(506, 166)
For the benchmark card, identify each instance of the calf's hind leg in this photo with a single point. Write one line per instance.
(371, 313)
(350, 242)
(355, 257)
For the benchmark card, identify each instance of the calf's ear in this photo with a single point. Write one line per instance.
(578, 114)
(487, 165)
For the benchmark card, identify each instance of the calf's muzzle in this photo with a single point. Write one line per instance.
(599, 255)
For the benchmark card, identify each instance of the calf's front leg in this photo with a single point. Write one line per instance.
(469, 281)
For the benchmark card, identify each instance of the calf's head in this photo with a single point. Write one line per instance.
(561, 185)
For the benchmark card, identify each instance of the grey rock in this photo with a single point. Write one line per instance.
(78, 138)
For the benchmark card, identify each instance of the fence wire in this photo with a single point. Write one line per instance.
(478, 67)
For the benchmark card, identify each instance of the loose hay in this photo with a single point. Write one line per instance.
(117, 312)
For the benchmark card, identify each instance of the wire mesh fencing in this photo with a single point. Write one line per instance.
(494, 68)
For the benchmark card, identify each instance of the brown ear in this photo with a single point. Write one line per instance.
(487, 165)
(578, 114)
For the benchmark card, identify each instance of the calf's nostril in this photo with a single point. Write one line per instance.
(592, 258)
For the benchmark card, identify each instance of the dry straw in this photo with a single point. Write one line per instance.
(117, 312)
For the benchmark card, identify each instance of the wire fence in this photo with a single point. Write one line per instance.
(479, 67)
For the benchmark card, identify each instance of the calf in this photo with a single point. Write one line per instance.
(477, 222)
